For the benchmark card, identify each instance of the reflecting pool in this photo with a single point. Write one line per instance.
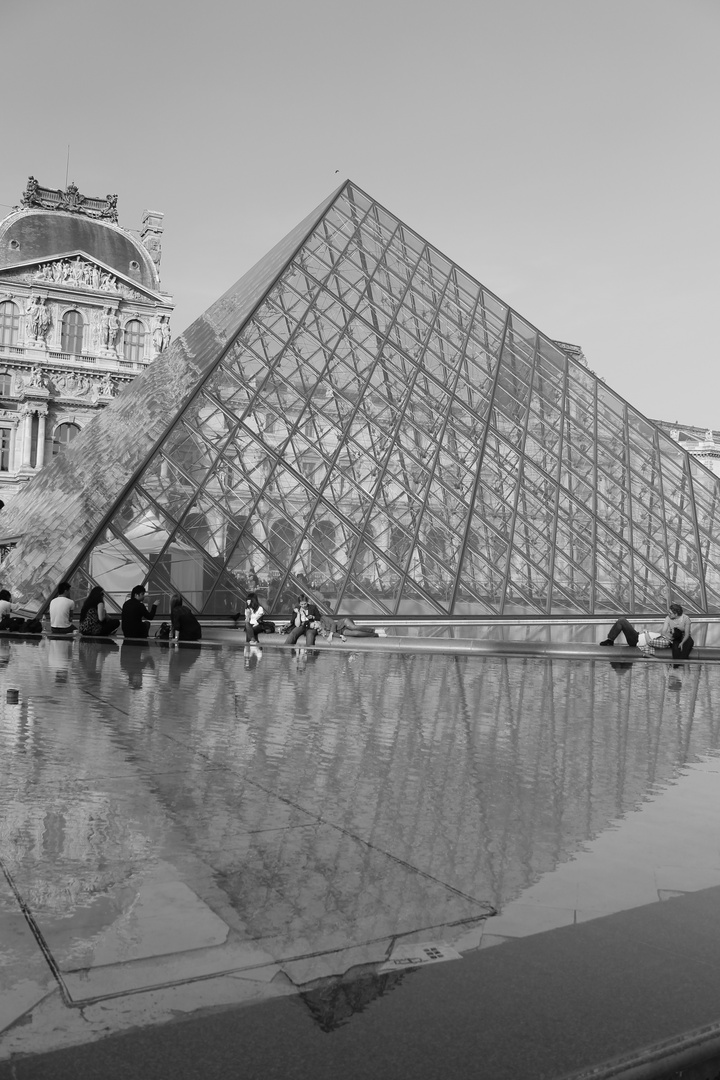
(183, 826)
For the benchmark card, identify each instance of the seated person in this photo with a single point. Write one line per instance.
(135, 616)
(185, 626)
(14, 624)
(6, 605)
(675, 630)
(253, 618)
(345, 627)
(94, 621)
(303, 617)
(61, 609)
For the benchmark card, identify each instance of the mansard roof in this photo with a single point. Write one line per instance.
(35, 235)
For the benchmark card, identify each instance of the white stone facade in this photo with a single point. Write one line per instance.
(76, 325)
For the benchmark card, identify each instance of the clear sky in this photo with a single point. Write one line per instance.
(564, 152)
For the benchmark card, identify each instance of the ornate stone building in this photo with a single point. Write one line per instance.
(81, 314)
(701, 443)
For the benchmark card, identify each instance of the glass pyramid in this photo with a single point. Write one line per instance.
(357, 418)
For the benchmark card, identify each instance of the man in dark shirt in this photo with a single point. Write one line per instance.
(135, 616)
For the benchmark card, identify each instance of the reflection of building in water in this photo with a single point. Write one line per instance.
(358, 418)
(340, 808)
(81, 314)
(334, 1003)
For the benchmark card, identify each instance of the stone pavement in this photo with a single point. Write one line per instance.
(630, 996)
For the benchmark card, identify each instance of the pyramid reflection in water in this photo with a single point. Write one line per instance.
(360, 419)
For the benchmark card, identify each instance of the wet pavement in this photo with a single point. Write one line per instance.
(187, 831)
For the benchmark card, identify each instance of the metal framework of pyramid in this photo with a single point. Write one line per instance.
(359, 419)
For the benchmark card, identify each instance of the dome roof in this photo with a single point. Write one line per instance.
(27, 235)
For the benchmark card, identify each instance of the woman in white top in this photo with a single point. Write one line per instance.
(6, 607)
(253, 617)
(677, 628)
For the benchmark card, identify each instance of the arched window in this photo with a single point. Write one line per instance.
(435, 543)
(399, 545)
(134, 341)
(364, 561)
(323, 540)
(71, 334)
(64, 435)
(241, 558)
(282, 541)
(9, 323)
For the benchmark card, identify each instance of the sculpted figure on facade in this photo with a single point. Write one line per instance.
(154, 248)
(38, 319)
(109, 329)
(107, 387)
(110, 212)
(30, 195)
(70, 199)
(160, 334)
(37, 378)
(78, 272)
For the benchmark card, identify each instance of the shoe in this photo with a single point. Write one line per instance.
(381, 631)
(607, 641)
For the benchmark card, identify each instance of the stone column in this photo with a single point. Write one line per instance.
(40, 455)
(27, 438)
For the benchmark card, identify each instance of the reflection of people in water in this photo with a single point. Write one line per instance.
(674, 682)
(252, 656)
(135, 658)
(302, 655)
(182, 658)
(620, 666)
(59, 656)
(93, 654)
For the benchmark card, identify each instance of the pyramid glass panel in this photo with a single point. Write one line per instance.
(359, 419)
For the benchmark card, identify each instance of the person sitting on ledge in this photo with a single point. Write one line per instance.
(675, 629)
(305, 620)
(345, 627)
(253, 618)
(185, 626)
(61, 609)
(135, 616)
(6, 605)
(94, 621)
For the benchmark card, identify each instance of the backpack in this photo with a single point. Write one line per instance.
(163, 632)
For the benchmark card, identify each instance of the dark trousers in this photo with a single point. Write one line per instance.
(622, 626)
(680, 652)
(61, 629)
(298, 631)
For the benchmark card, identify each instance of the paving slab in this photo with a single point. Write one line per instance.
(633, 991)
